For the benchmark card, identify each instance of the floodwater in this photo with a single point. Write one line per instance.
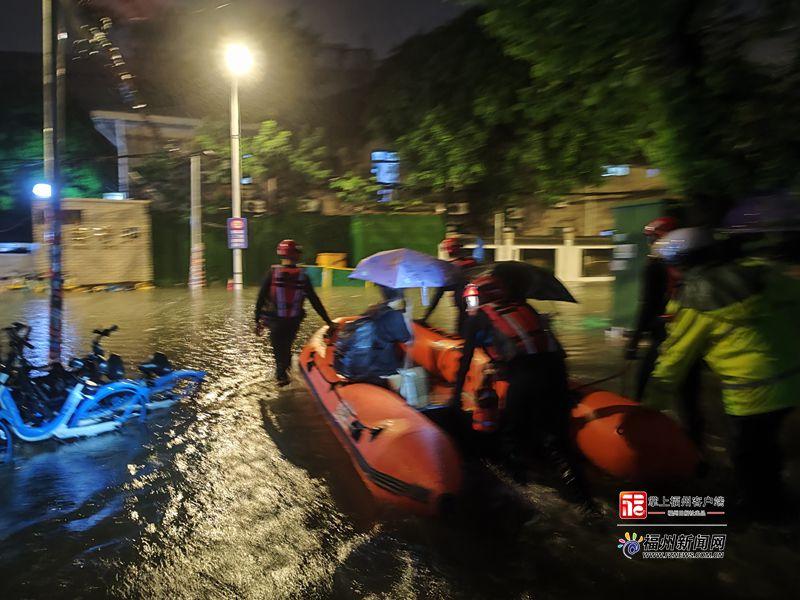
(243, 492)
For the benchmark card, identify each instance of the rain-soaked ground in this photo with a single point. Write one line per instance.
(244, 492)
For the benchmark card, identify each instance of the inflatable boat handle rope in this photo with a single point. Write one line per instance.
(621, 374)
(356, 425)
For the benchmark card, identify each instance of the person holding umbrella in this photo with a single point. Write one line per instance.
(279, 306)
(526, 352)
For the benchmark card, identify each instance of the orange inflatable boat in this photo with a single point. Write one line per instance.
(403, 458)
(406, 460)
(617, 435)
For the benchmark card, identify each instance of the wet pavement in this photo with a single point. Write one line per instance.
(244, 492)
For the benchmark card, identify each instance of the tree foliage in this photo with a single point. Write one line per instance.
(356, 191)
(297, 163)
(709, 88)
(473, 123)
(21, 150)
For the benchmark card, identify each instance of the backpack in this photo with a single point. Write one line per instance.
(353, 349)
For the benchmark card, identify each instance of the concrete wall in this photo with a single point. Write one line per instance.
(588, 211)
(104, 241)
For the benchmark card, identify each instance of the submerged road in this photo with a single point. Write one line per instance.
(243, 492)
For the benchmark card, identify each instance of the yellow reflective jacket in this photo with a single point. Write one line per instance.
(752, 343)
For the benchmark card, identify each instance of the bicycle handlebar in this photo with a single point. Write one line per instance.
(105, 332)
(15, 333)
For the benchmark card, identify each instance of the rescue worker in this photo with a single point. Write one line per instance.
(658, 284)
(740, 318)
(279, 306)
(526, 353)
(460, 259)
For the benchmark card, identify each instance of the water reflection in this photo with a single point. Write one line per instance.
(244, 492)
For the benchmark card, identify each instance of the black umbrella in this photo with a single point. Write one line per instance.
(525, 280)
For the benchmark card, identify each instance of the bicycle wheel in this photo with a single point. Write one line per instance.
(117, 405)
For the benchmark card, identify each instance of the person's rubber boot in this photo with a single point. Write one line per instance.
(575, 490)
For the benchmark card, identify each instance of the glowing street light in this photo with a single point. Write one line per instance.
(240, 61)
(43, 191)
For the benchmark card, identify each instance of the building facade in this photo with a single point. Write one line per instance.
(104, 241)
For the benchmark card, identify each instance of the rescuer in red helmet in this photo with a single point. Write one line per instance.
(658, 285)
(527, 354)
(279, 306)
(458, 257)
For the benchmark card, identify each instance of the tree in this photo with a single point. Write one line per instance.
(472, 123)
(297, 163)
(710, 88)
(356, 191)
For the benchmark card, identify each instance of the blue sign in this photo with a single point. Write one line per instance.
(386, 167)
(237, 233)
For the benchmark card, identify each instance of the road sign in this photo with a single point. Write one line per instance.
(237, 233)
(386, 167)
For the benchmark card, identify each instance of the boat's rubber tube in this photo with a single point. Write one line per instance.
(404, 459)
(619, 436)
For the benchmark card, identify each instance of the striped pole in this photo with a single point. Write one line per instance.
(53, 71)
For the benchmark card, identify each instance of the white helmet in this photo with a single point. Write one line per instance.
(675, 246)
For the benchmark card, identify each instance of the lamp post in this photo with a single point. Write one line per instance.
(239, 61)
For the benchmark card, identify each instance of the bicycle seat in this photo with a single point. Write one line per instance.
(113, 368)
(156, 366)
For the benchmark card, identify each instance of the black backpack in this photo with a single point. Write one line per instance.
(353, 354)
(355, 346)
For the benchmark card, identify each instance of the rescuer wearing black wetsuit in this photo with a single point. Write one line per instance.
(657, 287)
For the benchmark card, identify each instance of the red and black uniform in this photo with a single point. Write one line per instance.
(462, 263)
(519, 341)
(280, 307)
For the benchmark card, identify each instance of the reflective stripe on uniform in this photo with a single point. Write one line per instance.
(761, 382)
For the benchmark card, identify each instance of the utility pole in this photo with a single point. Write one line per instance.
(236, 178)
(53, 79)
(197, 277)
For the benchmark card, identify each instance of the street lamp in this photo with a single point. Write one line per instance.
(43, 191)
(239, 61)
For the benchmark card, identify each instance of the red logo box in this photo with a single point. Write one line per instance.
(633, 505)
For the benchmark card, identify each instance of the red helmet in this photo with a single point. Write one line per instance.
(289, 249)
(452, 245)
(658, 228)
(484, 290)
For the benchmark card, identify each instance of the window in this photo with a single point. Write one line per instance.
(541, 257)
(597, 262)
(71, 217)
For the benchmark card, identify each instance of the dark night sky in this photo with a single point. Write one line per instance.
(381, 24)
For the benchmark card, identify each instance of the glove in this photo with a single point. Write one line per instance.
(333, 328)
